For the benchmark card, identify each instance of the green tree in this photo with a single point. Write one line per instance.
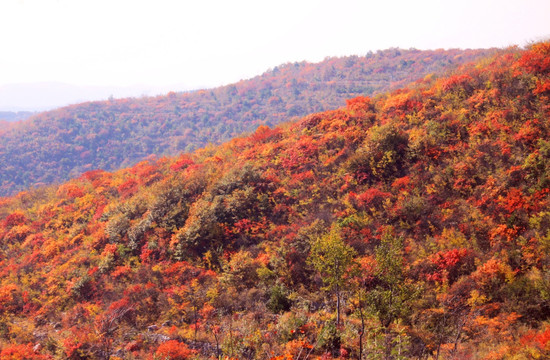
(333, 259)
(391, 293)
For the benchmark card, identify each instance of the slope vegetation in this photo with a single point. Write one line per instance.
(61, 144)
(414, 224)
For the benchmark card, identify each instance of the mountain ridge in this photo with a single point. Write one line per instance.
(413, 224)
(49, 95)
(57, 145)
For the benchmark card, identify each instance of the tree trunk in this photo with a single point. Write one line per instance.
(337, 308)
(218, 355)
(362, 331)
(387, 344)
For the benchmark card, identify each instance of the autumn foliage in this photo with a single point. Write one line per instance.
(54, 146)
(412, 224)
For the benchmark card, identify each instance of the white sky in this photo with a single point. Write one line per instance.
(206, 43)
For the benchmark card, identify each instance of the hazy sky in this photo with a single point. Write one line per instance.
(207, 43)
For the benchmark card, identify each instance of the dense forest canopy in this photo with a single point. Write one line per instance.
(411, 224)
(55, 146)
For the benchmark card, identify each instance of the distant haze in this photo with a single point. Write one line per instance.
(210, 43)
(44, 96)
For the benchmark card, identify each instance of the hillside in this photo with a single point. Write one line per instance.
(11, 116)
(57, 145)
(7, 118)
(413, 224)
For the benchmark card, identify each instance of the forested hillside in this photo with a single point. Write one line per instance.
(10, 116)
(57, 145)
(413, 224)
(7, 118)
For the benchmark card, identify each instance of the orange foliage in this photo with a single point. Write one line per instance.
(214, 248)
(174, 350)
(21, 352)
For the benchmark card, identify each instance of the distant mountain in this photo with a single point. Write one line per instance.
(56, 145)
(411, 225)
(11, 116)
(7, 118)
(44, 96)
